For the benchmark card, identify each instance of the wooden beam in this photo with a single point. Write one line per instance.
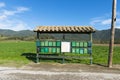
(91, 48)
(37, 49)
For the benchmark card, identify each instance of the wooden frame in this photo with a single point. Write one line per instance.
(84, 31)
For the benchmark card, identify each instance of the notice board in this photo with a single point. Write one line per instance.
(65, 46)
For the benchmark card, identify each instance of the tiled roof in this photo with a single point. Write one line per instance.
(64, 29)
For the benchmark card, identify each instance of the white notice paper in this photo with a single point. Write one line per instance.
(65, 47)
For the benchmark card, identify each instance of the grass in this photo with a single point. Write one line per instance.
(11, 54)
(100, 54)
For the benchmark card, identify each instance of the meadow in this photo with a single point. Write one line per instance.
(11, 54)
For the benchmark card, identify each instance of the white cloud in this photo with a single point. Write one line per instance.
(21, 9)
(118, 23)
(2, 17)
(104, 22)
(94, 22)
(8, 19)
(100, 21)
(7, 13)
(2, 4)
(118, 26)
(13, 24)
(118, 20)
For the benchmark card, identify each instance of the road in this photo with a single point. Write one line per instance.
(58, 72)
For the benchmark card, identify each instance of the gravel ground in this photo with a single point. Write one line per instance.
(7, 73)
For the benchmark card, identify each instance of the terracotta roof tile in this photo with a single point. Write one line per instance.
(64, 29)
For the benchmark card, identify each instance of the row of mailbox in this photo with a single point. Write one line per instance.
(58, 43)
(58, 50)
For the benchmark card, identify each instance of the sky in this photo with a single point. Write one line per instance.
(28, 14)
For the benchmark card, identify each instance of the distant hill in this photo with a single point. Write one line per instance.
(6, 34)
(11, 33)
(102, 36)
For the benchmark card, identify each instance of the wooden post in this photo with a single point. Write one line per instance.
(91, 37)
(111, 45)
(91, 48)
(63, 54)
(37, 55)
(63, 37)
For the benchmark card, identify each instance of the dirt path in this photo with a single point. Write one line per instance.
(46, 71)
(72, 67)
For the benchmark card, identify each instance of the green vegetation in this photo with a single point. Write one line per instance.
(12, 54)
(100, 54)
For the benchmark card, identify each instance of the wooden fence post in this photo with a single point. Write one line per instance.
(37, 55)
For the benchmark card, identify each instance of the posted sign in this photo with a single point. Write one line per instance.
(65, 47)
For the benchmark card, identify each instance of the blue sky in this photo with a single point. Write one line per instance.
(27, 14)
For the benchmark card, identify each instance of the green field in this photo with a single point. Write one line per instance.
(12, 54)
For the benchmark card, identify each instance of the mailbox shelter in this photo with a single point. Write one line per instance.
(62, 46)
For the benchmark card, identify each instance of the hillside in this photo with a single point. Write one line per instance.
(11, 33)
(6, 34)
(102, 36)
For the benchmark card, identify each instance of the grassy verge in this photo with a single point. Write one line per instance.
(11, 54)
(100, 54)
